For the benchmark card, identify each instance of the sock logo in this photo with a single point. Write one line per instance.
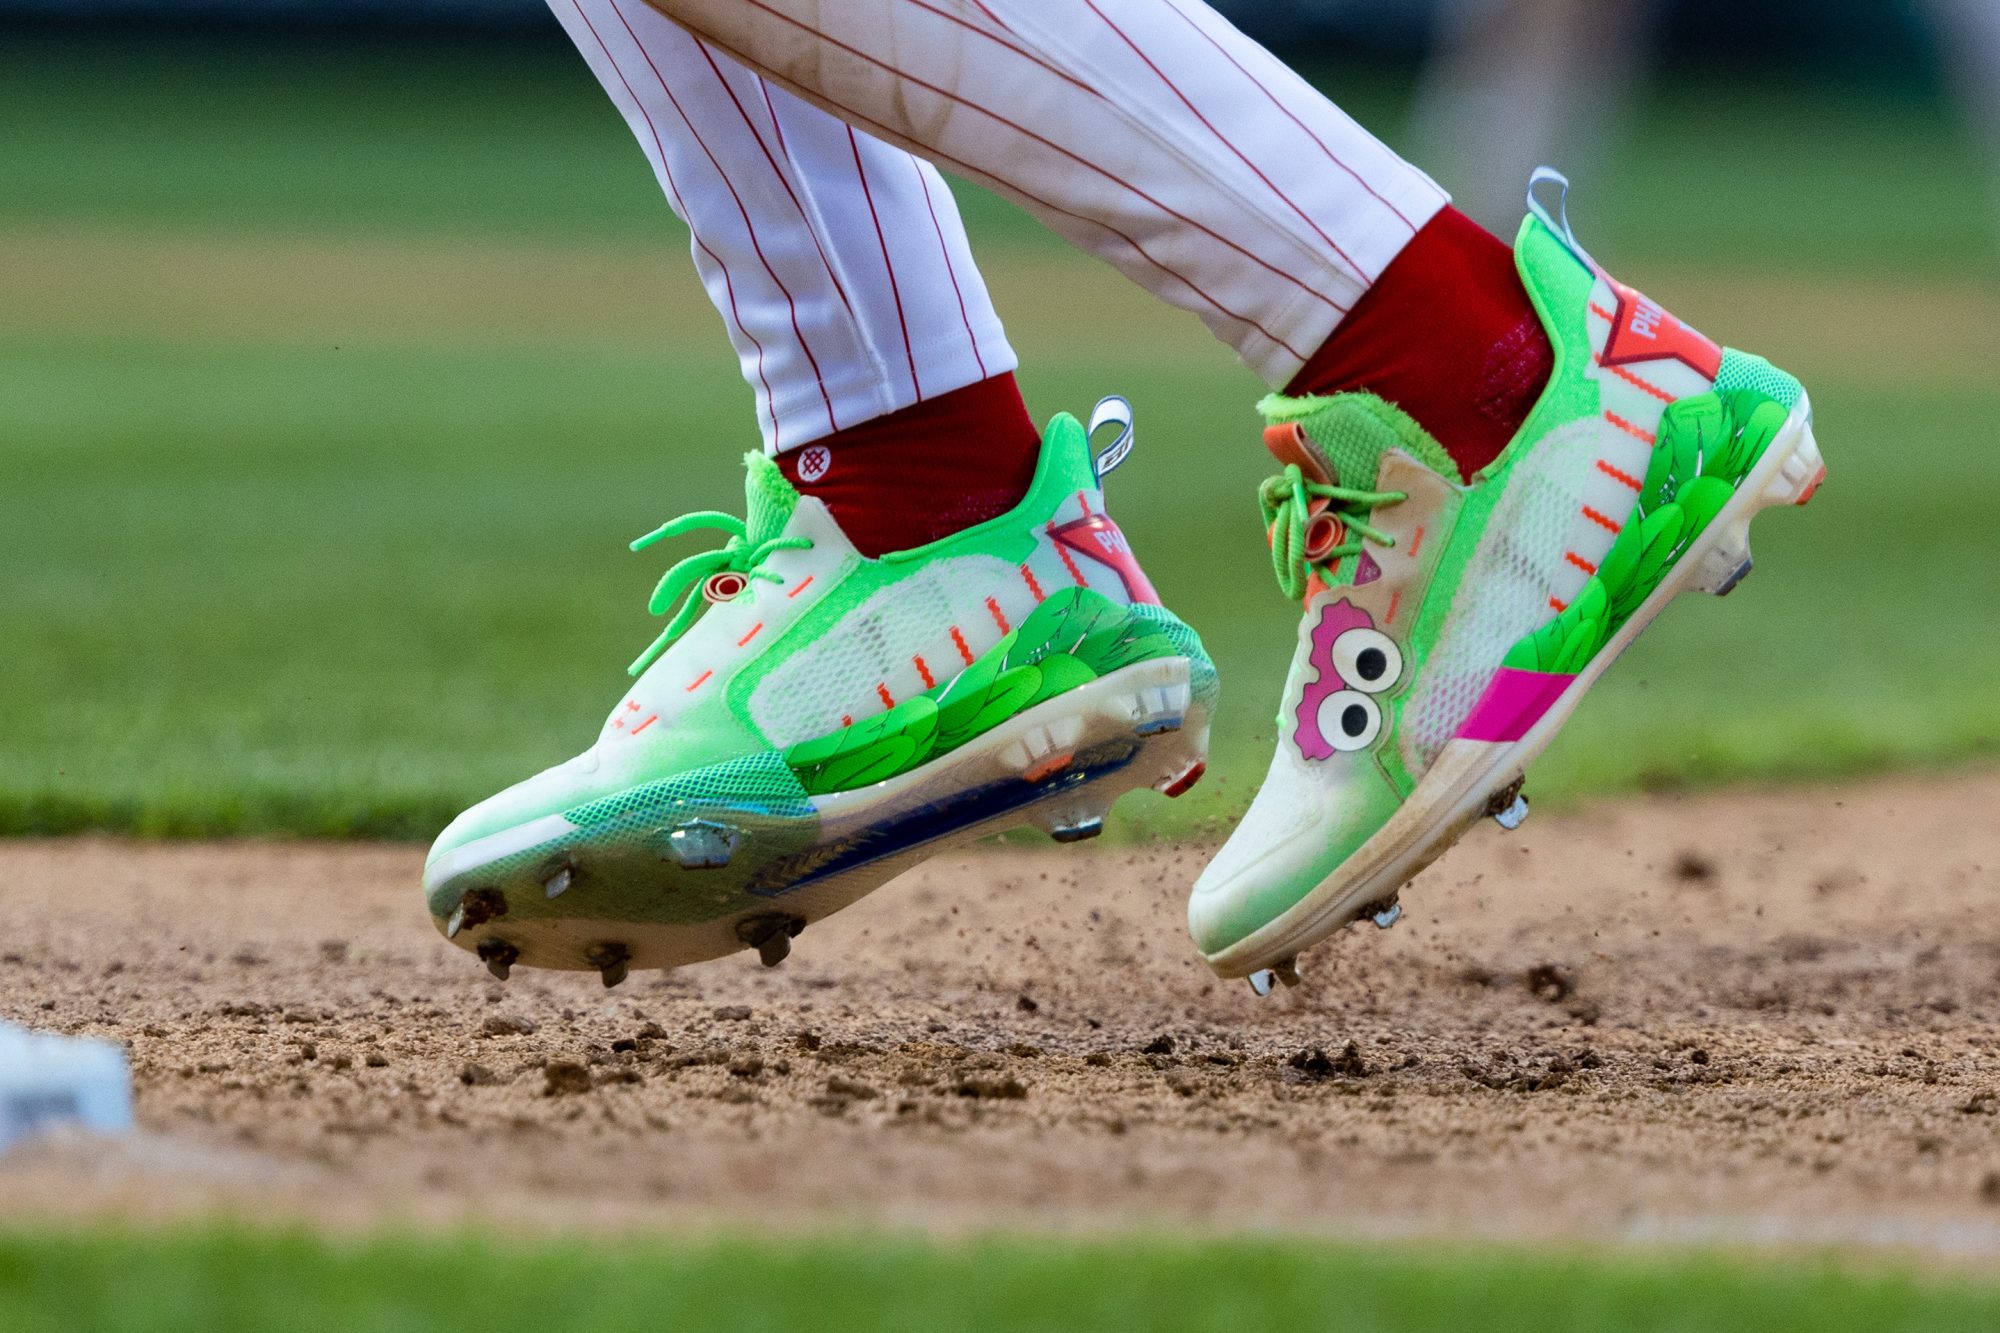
(814, 461)
(1641, 330)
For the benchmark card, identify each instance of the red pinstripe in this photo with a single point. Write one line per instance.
(791, 304)
(1278, 102)
(776, 170)
(1004, 44)
(966, 169)
(728, 287)
(951, 270)
(1224, 140)
(1050, 144)
(778, 129)
(894, 290)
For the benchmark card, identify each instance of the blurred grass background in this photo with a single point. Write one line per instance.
(335, 371)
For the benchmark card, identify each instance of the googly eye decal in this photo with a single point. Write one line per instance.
(1350, 720)
(1367, 660)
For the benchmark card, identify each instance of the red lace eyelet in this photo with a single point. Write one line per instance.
(725, 586)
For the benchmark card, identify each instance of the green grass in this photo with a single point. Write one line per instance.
(220, 1281)
(344, 573)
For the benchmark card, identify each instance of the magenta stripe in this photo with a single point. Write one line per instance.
(1278, 102)
(950, 269)
(728, 287)
(750, 227)
(894, 291)
(966, 169)
(1224, 140)
(1513, 702)
(1052, 146)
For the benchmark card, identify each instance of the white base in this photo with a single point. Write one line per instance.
(47, 1081)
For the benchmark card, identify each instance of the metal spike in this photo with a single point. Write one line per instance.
(456, 922)
(770, 935)
(499, 957)
(612, 960)
(1287, 970)
(774, 949)
(1387, 916)
(1514, 815)
(702, 844)
(1263, 981)
(1088, 827)
(558, 884)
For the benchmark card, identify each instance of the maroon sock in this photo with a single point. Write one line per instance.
(926, 471)
(1447, 334)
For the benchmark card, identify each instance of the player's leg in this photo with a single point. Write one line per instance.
(1497, 468)
(831, 716)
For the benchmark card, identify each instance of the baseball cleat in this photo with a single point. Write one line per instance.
(812, 723)
(1451, 628)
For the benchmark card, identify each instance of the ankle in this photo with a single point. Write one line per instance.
(1449, 335)
(924, 471)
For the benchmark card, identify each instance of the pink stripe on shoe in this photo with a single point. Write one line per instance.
(1514, 701)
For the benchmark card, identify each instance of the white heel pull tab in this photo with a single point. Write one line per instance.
(1557, 221)
(1110, 411)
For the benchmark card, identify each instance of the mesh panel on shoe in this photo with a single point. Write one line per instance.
(1203, 683)
(762, 779)
(1740, 370)
(836, 675)
(1503, 592)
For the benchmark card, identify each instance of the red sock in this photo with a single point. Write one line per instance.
(1447, 334)
(926, 471)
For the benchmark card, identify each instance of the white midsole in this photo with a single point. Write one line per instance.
(1455, 789)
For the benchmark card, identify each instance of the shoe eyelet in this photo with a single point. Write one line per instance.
(724, 586)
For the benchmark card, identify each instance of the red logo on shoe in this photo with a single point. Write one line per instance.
(1642, 330)
(1096, 536)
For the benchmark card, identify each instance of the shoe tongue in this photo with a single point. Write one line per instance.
(1341, 439)
(768, 499)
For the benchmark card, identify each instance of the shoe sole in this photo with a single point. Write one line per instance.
(1471, 779)
(540, 896)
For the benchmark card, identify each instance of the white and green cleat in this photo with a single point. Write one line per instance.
(812, 723)
(1450, 629)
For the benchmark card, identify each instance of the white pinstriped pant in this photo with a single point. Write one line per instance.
(1148, 132)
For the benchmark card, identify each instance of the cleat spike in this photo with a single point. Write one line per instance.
(770, 935)
(1514, 815)
(701, 844)
(1287, 971)
(612, 960)
(1077, 830)
(1177, 786)
(1735, 576)
(558, 884)
(1263, 981)
(455, 923)
(1385, 917)
(499, 957)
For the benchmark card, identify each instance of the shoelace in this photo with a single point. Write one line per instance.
(735, 556)
(1287, 500)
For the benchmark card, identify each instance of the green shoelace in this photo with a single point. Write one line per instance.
(1286, 500)
(678, 584)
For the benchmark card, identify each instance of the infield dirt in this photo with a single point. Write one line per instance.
(1761, 1015)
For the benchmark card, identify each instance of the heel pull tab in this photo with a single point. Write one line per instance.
(1558, 221)
(1112, 410)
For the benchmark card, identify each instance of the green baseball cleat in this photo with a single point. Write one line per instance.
(812, 723)
(1450, 629)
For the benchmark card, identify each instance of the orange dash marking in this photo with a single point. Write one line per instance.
(998, 619)
(924, 671)
(751, 635)
(1602, 313)
(847, 719)
(1416, 543)
(958, 642)
(1579, 562)
(1084, 500)
(1623, 478)
(651, 718)
(1559, 606)
(1033, 586)
(1070, 565)
(698, 680)
(1635, 381)
(1395, 599)
(806, 583)
(888, 700)
(1601, 520)
(1630, 429)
